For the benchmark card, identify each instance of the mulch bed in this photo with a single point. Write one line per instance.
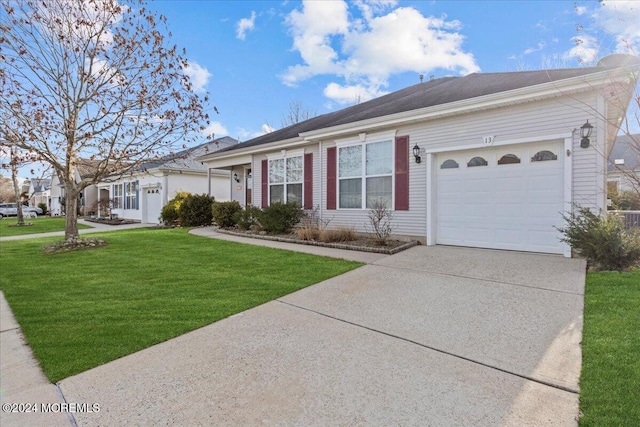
(362, 243)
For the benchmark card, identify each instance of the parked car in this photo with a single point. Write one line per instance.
(11, 209)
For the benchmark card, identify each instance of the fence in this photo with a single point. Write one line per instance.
(631, 218)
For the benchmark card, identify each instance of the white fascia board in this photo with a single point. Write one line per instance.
(271, 146)
(228, 161)
(516, 96)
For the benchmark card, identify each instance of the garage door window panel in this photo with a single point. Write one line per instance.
(477, 161)
(544, 156)
(509, 159)
(449, 164)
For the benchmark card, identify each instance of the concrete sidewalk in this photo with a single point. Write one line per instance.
(97, 228)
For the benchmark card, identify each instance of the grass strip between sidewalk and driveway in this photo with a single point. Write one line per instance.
(610, 380)
(82, 309)
(38, 225)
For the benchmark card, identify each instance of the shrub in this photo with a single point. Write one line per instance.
(337, 235)
(43, 206)
(602, 240)
(308, 233)
(196, 211)
(626, 200)
(380, 218)
(169, 214)
(248, 217)
(280, 217)
(225, 214)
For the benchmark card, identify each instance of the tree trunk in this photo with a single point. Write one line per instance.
(71, 208)
(16, 188)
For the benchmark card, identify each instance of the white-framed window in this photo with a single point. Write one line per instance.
(365, 175)
(285, 179)
(131, 195)
(117, 196)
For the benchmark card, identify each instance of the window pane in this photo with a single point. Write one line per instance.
(350, 161)
(276, 171)
(379, 189)
(294, 193)
(477, 161)
(543, 156)
(294, 169)
(379, 158)
(449, 164)
(351, 193)
(277, 194)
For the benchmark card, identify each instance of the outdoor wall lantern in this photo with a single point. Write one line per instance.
(416, 153)
(585, 133)
(235, 177)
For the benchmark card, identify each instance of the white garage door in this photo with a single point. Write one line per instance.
(501, 197)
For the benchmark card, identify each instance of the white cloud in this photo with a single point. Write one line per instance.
(266, 128)
(365, 52)
(351, 95)
(531, 50)
(585, 50)
(244, 25)
(216, 129)
(622, 20)
(581, 10)
(198, 75)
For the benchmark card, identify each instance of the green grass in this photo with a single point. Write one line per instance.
(610, 380)
(81, 309)
(39, 225)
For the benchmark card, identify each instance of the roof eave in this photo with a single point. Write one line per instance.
(500, 99)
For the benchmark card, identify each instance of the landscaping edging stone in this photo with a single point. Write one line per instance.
(386, 251)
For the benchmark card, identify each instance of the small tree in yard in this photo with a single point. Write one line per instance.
(96, 80)
(380, 222)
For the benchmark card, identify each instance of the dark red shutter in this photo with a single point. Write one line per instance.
(402, 173)
(265, 183)
(308, 181)
(331, 178)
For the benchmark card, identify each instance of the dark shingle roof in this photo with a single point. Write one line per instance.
(432, 93)
(627, 148)
(186, 159)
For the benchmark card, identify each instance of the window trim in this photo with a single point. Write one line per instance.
(379, 138)
(285, 155)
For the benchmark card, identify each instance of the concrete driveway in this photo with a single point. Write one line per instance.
(430, 336)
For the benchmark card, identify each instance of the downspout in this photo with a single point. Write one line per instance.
(320, 158)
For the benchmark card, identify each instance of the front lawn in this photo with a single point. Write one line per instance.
(610, 380)
(81, 309)
(38, 225)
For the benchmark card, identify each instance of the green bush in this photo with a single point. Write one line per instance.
(626, 200)
(225, 213)
(169, 214)
(43, 206)
(602, 240)
(196, 211)
(280, 217)
(248, 217)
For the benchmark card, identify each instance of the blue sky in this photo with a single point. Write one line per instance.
(256, 58)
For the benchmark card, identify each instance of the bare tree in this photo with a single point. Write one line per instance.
(297, 113)
(92, 79)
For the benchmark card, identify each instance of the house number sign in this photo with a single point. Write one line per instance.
(488, 140)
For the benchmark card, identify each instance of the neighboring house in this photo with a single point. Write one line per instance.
(141, 194)
(39, 191)
(623, 168)
(87, 198)
(498, 156)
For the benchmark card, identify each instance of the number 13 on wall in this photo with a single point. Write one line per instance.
(488, 140)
